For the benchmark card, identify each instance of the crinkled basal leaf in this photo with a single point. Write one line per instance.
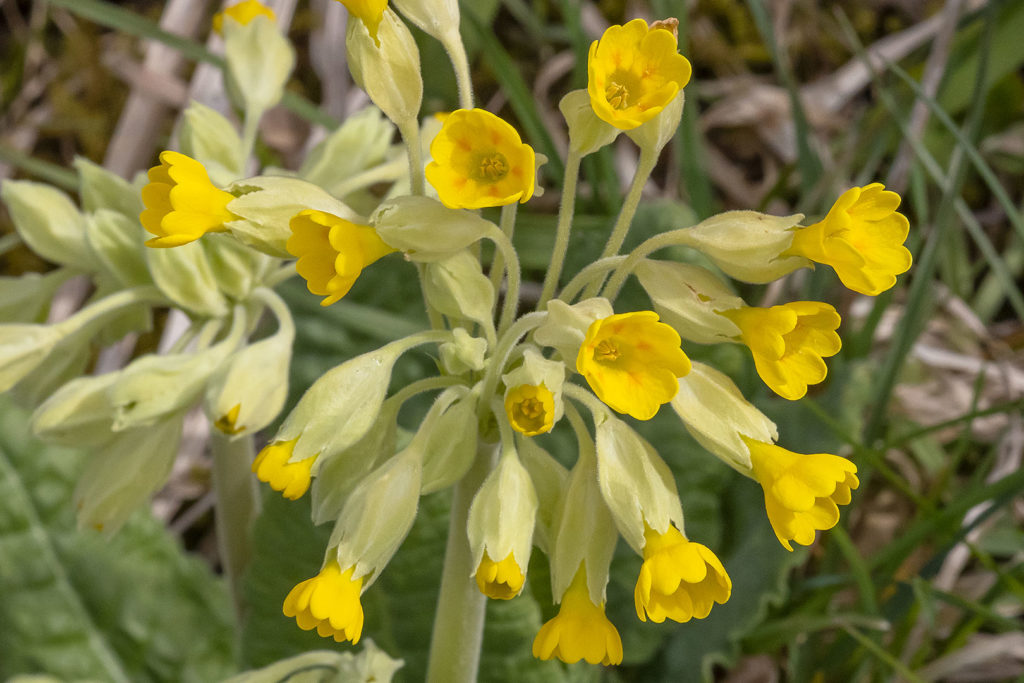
(87, 607)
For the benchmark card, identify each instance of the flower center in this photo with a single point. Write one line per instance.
(617, 95)
(530, 413)
(606, 350)
(493, 168)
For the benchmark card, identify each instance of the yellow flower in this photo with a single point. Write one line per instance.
(370, 12)
(499, 580)
(332, 252)
(181, 203)
(243, 13)
(228, 422)
(530, 408)
(328, 602)
(480, 160)
(632, 362)
(801, 492)
(788, 343)
(633, 72)
(290, 478)
(580, 630)
(861, 238)
(679, 579)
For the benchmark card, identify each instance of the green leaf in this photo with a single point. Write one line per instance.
(80, 605)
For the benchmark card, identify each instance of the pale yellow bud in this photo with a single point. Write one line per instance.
(748, 245)
(687, 298)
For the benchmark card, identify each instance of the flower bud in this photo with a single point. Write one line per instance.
(587, 132)
(446, 439)
(464, 353)
(23, 348)
(117, 243)
(535, 411)
(748, 245)
(637, 485)
(500, 526)
(78, 414)
(259, 61)
(102, 189)
(437, 18)
(390, 72)
(268, 203)
(548, 476)
(236, 267)
(716, 414)
(185, 276)
(27, 298)
(687, 298)
(49, 222)
(457, 287)
(566, 326)
(361, 142)
(377, 516)
(425, 229)
(122, 474)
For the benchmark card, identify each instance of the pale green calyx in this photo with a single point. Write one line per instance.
(23, 347)
(377, 516)
(186, 277)
(116, 240)
(549, 477)
(438, 18)
(209, 138)
(457, 287)
(503, 514)
(716, 414)
(566, 326)
(361, 142)
(464, 353)
(78, 414)
(390, 72)
(49, 222)
(587, 132)
(748, 245)
(259, 59)
(652, 136)
(102, 189)
(446, 439)
(409, 224)
(687, 298)
(636, 483)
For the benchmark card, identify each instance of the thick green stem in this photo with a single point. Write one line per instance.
(562, 232)
(595, 272)
(648, 160)
(665, 239)
(410, 131)
(237, 507)
(459, 621)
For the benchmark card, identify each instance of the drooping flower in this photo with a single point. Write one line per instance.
(500, 580)
(788, 343)
(632, 362)
(479, 161)
(370, 12)
(530, 408)
(332, 252)
(328, 602)
(861, 238)
(290, 478)
(679, 579)
(801, 492)
(243, 13)
(633, 72)
(580, 630)
(181, 203)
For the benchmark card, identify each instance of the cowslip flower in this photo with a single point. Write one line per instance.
(679, 579)
(479, 160)
(633, 72)
(243, 13)
(530, 408)
(861, 238)
(370, 12)
(332, 252)
(290, 478)
(801, 492)
(181, 203)
(788, 343)
(632, 362)
(580, 630)
(500, 580)
(328, 602)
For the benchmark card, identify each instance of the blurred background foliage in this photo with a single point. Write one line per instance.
(792, 101)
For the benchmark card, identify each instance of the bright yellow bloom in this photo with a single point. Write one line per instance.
(679, 579)
(530, 408)
(861, 238)
(788, 343)
(290, 478)
(580, 630)
(181, 203)
(633, 72)
(332, 252)
(480, 160)
(371, 12)
(243, 13)
(633, 362)
(801, 492)
(499, 580)
(328, 602)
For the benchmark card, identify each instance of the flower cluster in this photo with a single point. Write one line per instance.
(504, 377)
